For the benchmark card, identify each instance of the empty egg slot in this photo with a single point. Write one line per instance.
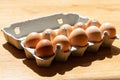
(17, 30)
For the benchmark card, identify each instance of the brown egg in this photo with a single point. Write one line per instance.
(93, 22)
(48, 34)
(79, 25)
(65, 29)
(94, 34)
(32, 39)
(78, 37)
(110, 28)
(44, 48)
(63, 41)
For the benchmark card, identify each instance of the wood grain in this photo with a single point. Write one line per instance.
(103, 65)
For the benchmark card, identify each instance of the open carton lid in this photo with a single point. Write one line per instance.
(17, 32)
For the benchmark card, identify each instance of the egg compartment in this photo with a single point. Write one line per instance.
(30, 54)
(44, 61)
(94, 46)
(60, 54)
(28, 51)
(78, 51)
(107, 41)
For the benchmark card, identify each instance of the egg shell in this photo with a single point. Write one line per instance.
(63, 41)
(65, 29)
(48, 34)
(94, 34)
(79, 25)
(44, 48)
(78, 37)
(32, 39)
(93, 22)
(110, 28)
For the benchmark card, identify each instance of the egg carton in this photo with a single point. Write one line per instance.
(16, 33)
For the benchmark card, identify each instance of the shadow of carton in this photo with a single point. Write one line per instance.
(20, 54)
(83, 61)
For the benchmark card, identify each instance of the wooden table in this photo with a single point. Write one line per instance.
(103, 65)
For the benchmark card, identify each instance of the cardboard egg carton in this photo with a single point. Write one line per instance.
(17, 32)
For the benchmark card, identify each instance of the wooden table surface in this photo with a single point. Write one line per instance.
(103, 65)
